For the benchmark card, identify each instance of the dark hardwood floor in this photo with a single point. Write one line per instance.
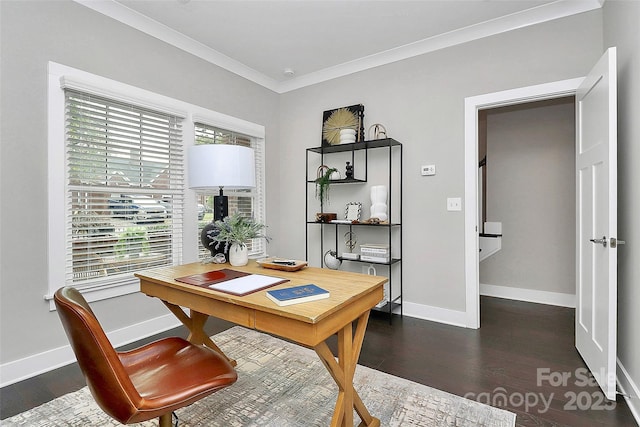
(517, 360)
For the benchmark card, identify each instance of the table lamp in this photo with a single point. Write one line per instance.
(220, 166)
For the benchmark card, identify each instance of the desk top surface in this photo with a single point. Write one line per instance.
(345, 288)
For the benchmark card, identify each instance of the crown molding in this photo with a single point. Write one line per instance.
(540, 14)
(533, 16)
(143, 23)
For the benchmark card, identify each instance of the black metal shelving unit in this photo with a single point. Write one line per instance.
(392, 229)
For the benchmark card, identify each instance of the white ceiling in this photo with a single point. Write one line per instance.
(324, 39)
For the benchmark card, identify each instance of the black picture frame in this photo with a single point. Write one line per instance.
(351, 117)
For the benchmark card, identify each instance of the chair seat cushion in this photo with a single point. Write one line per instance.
(172, 373)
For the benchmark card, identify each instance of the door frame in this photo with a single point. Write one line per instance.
(472, 106)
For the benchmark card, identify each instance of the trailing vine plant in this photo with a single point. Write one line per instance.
(322, 186)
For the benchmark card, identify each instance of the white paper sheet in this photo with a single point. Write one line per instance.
(246, 284)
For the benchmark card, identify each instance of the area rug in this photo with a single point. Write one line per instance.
(284, 385)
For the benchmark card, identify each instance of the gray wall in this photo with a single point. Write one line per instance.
(421, 103)
(419, 100)
(621, 30)
(531, 190)
(34, 33)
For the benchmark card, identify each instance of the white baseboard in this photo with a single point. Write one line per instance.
(629, 389)
(529, 295)
(459, 318)
(30, 366)
(435, 314)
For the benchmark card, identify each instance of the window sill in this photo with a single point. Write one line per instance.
(102, 291)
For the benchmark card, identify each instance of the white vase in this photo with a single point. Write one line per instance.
(379, 202)
(347, 136)
(238, 255)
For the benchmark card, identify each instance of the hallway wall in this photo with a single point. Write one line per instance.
(531, 190)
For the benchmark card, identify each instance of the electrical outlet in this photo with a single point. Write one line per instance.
(454, 204)
(428, 170)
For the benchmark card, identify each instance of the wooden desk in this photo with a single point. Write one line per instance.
(309, 324)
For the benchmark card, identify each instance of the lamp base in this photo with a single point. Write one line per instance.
(206, 238)
(220, 212)
(220, 207)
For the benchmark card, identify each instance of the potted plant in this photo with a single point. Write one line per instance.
(235, 231)
(322, 191)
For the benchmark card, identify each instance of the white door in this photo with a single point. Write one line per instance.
(596, 228)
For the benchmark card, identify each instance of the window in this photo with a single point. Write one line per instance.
(124, 188)
(247, 202)
(117, 197)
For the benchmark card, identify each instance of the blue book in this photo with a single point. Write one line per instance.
(297, 294)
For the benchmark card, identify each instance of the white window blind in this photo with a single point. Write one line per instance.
(249, 203)
(124, 189)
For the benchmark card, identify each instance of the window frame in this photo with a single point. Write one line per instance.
(257, 193)
(61, 77)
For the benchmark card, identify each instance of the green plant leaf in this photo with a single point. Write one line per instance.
(322, 186)
(238, 229)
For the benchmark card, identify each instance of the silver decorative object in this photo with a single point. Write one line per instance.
(377, 131)
(350, 240)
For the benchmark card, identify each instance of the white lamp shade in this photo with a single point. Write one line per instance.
(221, 165)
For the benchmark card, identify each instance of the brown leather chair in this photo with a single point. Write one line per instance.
(148, 382)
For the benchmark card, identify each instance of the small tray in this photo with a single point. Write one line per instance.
(268, 263)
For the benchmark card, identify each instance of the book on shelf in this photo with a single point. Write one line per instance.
(375, 247)
(374, 258)
(297, 294)
(374, 250)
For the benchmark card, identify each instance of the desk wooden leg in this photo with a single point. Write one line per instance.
(342, 371)
(195, 324)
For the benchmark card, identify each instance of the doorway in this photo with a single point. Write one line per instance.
(473, 105)
(527, 189)
(596, 208)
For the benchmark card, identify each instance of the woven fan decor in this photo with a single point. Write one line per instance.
(333, 121)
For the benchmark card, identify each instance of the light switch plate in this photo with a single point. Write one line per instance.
(454, 204)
